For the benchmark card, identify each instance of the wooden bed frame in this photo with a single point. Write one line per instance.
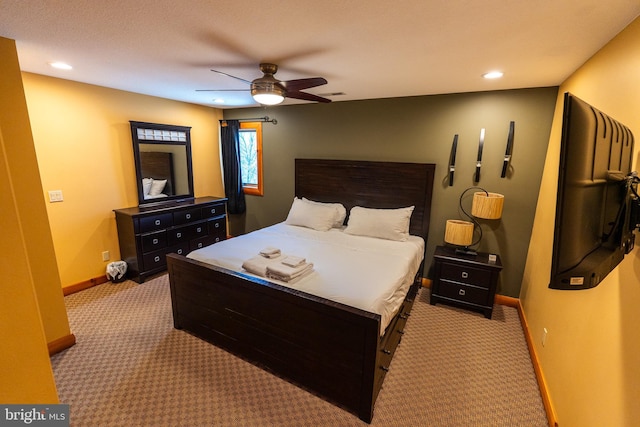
(328, 348)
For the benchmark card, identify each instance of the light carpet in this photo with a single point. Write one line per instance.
(130, 367)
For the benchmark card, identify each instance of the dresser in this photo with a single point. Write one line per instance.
(147, 234)
(466, 281)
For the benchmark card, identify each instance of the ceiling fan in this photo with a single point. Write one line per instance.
(268, 90)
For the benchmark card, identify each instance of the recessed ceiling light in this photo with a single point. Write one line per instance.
(219, 101)
(61, 65)
(493, 75)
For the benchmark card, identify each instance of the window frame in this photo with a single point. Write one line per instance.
(252, 189)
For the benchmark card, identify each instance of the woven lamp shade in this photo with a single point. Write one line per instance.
(487, 205)
(458, 232)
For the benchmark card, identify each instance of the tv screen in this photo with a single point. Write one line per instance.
(592, 231)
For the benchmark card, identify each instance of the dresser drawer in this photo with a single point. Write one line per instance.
(465, 274)
(205, 241)
(464, 293)
(200, 229)
(156, 222)
(153, 260)
(183, 217)
(213, 210)
(154, 241)
(179, 235)
(218, 227)
(182, 249)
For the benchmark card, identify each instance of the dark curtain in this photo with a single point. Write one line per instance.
(231, 166)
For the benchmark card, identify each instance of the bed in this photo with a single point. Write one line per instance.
(330, 348)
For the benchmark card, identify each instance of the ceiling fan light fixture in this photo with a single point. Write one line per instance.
(268, 98)
(267, 93)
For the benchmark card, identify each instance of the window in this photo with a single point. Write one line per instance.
(251, 157)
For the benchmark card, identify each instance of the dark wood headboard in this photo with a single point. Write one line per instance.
(158, 165)
(371, 185)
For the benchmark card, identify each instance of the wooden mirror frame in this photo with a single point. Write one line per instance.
(178, 172)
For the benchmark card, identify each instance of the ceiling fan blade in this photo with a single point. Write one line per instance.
(229, 75)
(300, 84)
(223, 90)
(306, 96)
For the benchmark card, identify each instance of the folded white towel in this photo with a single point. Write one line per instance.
(258, 264)
(286, 273)
(306, 270)
(270, 252)
(293, 261)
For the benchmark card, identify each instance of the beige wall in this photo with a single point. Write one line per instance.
(29, 280)
(590, 359)
(83, 143)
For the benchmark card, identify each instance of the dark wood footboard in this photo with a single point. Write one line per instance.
(326, 347)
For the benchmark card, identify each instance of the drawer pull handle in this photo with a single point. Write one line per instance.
(217, 239)
(199, 229)
(157, 222)
(178, 235)
(199, 245)
(384, 368)
(385, 351)
(217, 225)
(157, 258)
(179, 251)
(465, 275)
(188, 216)
(213, 211)
(404, 316)
(462, 292)
(155, 241)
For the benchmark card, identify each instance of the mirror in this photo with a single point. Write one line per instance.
(162, 155)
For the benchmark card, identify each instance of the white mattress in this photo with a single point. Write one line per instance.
(363, 272)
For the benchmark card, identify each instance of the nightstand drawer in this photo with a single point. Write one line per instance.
(462, 292)
(465, 274)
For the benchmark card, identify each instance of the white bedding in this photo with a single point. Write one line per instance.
(363, 272)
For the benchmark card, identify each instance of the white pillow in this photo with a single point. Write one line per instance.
(340, 215)
(390, 224)
(304, 214)
(146, 185)
(157, 186)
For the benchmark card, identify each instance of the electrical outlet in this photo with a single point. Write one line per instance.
(544, 336)
(55, 196)
(106, 256)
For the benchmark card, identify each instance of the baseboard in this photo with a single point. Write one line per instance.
(508, 301)
(60, 344)
(542, 384)
(72, 289)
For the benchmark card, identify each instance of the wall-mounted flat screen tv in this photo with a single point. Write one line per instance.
(592, 226)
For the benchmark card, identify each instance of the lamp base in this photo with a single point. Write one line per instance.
(466, 252)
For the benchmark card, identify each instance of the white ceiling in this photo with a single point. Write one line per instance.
(366, 49)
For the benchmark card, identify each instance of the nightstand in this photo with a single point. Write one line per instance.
(465, 281)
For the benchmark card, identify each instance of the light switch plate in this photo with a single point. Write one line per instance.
(55, 196)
